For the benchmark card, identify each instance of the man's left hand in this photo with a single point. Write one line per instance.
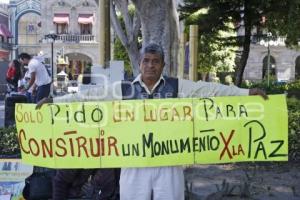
(260, 92)
(43, 101)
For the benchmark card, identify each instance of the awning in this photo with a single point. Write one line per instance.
(61, 18)
(4, 31)
(85, 18)
(4, 55)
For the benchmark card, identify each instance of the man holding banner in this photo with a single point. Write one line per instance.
(166, 183)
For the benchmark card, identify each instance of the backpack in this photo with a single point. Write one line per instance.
(11, 73)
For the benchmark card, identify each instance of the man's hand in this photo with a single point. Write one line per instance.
(42, 102)
(260, 92)
(22, 90)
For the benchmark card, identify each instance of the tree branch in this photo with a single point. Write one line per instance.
(117, 25)
(136, 27)
(127, 19)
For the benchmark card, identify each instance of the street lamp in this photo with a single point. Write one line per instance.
(267, 44)
(52, 37)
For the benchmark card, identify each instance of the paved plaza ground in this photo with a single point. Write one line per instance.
(264, 181)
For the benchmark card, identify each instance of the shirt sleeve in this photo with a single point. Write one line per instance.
(187, 88)
(33, 65)
(20, 83)
(93, 93)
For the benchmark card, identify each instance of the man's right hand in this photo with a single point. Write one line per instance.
(260, 92)
(43, 101)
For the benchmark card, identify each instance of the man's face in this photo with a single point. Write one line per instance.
(151, 66)
(24, 61)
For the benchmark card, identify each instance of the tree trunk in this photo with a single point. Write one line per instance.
(160, 24)
(133, 54)
(129, 36)
(246, 47)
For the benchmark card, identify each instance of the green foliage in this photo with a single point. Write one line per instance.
(131, 9)
(283, 18)
(294, 128)
(214, 57)
(8, 141)
(215, 52)
(228, 80)
(120, 53)
(292, 89)
(218, 15)
(219, 40)
(207, 57)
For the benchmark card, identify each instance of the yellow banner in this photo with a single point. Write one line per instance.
(146, 133)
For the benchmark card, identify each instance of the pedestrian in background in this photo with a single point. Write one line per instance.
(23, 83)
(14, 74)
(39, 76)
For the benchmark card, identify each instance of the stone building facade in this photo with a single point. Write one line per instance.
(24, 23)
(284, 62)
(75, 22)
(5, 35)
(5, 47)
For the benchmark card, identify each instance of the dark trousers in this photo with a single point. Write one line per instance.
(74, 184)
(42, 92)
(29, 97)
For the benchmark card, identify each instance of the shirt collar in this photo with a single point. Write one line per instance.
(139, 80)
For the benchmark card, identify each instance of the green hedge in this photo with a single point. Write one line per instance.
(292, 89)
(294, 128)
(9, 145)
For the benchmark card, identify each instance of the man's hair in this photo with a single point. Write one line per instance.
(24, 56)
(153, 49)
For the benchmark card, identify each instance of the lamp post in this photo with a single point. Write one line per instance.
(269, 35)
(52, 37)
(267, 44)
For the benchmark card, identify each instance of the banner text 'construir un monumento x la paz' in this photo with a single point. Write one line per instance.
(146, 133)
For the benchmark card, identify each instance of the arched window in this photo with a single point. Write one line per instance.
(272, 67)
(297, 68)
(29, 33)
